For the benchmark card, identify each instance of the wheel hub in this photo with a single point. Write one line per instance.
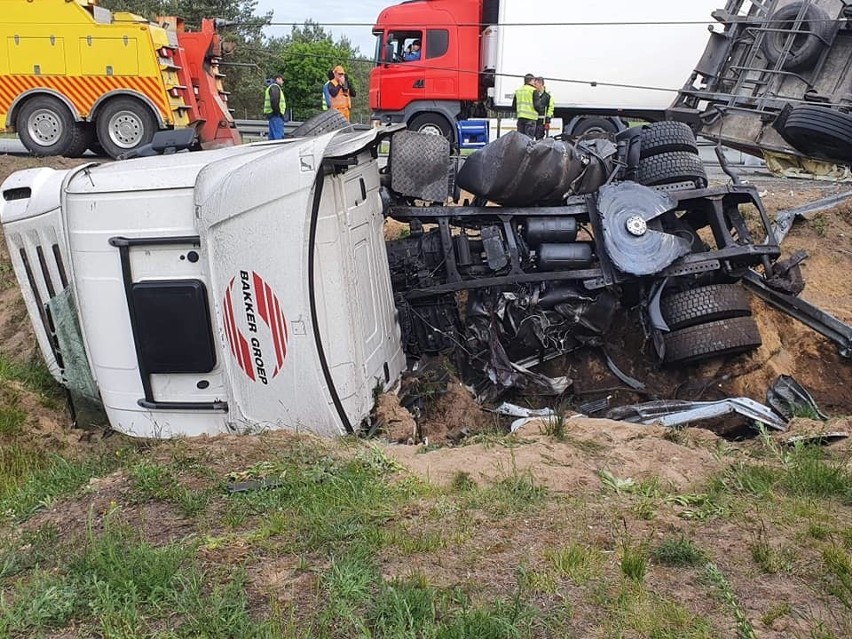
(125, 129)
(45, 127)
(431, 129)
(636, 226)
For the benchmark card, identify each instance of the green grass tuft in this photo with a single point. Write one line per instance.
(679, 552)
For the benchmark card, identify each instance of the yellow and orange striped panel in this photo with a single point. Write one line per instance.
(82, 91)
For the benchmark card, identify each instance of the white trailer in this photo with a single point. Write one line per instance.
(598, 57)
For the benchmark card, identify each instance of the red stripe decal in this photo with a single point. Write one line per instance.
(244, 348)
(260, 294)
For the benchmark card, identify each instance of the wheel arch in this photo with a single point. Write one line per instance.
(19, 101)
(449, 110)
(128, 93)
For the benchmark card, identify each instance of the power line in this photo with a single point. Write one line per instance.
(432, 25)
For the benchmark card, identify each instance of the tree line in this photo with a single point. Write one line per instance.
(304, 56)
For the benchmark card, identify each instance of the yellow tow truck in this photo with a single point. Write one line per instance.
(74, 75)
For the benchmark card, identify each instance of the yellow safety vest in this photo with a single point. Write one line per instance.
(267, 101)
(524, 106)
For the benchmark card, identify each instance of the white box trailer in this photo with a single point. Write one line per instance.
(217, 291)
(598, 56)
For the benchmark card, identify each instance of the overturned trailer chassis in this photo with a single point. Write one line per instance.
(545, 280)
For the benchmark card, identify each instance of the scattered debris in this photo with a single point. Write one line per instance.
(817, 439)
(788, 398)
(674, 413)
(526, 414)
(784, 220)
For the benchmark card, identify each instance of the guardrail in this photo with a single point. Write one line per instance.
(259, 129)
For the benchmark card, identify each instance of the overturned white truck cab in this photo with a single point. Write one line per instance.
(213, 292)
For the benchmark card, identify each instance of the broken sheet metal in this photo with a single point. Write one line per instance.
(817, 439)
(517, 171)
(784, 220)
(633, 235)
(676, 413)
(788, 397)
(526, 415)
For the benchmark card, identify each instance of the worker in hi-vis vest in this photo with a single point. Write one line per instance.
(326, 96)
(340, 92)
(526, 106)
(274, 107)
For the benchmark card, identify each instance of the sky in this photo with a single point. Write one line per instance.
(324, 12)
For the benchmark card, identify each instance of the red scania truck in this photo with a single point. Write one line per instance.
(601, 61)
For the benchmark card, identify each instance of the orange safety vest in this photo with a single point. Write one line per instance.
(342, 102)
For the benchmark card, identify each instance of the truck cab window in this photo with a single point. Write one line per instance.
(380, 35)
(402, 45)
(437, 43)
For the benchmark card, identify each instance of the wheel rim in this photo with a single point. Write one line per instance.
(126, 129)
(431, 129)
(45, 127)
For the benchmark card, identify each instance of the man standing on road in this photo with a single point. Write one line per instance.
(341, 92)
(526, 106)
(274, 107)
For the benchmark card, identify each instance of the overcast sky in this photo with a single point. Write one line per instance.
(326, 12)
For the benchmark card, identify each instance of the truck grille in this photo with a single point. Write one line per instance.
(41, 273)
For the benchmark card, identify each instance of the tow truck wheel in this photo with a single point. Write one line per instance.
(713, 339)
(664, 137)
(46, 127)
(671, 168)
(432, 124)
(124, 124)
(705, 304)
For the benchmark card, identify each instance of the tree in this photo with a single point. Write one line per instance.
(308, 53)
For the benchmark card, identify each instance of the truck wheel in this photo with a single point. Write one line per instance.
(807, 43)
(46, 127)
(714, 339)
(432, 124)
(124, 124)
(819, 131)
(325, 122)
(664, 137)
(594, 125)
(672, 167)
(705, 304)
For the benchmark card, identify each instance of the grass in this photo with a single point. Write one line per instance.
(678, 552)
(343, 541)
(32, 374)
(31, 480)
(745, 630)
(579, 563)
(12, 421)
